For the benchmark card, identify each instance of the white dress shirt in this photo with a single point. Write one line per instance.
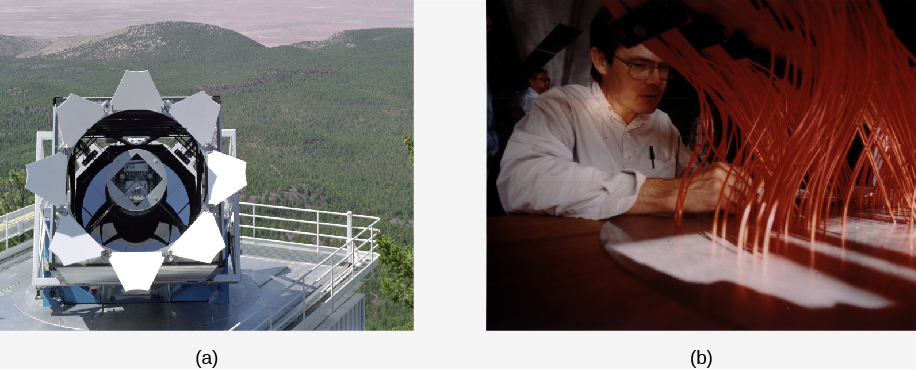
(526, 98)
(572, 155)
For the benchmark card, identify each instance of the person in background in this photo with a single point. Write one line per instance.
(538, 83)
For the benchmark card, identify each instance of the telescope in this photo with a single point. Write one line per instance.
(137, 200)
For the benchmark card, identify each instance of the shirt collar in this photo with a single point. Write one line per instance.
(599, 96)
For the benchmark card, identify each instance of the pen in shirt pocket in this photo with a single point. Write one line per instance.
(652, 156)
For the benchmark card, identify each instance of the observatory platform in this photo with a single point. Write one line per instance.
(283, 287)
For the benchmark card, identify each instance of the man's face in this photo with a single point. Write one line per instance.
(540, 84)
(628, 96)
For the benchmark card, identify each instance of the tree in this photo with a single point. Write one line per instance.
(408, 140)
(12, 197)
(4, 199)
(7, 203)
(397, 261)
(17, 180)
(12, 192)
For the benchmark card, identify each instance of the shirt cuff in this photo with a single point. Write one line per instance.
(623, 189)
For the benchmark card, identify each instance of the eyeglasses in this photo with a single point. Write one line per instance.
(640, 71)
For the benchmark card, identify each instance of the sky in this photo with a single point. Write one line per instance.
(269, 22)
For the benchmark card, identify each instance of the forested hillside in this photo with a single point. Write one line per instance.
(12, 45)
(319, 123)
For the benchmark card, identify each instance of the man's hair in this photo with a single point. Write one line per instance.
(604, 36)
(533, 73)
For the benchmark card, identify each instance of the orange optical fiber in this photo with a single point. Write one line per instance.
(846, 76)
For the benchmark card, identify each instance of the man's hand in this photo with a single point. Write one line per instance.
(660, 195)
(704, 191)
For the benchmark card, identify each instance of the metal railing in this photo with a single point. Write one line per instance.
(16, 223)
(356, 257)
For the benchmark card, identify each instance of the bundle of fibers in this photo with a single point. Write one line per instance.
(845, 76)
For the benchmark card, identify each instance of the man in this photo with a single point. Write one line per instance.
(538, 83)
(602, 150)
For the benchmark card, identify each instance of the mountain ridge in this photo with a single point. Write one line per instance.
(137, 38)
(136, 41)
(15, 45)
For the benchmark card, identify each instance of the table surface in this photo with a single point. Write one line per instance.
(552, 273)
(642, 273)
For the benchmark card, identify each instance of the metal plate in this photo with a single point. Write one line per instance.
(198, 114)
(201, 241)
(136, 270)
(136, 92)
(72, 244)
(225, 177)
(75, 116)
(48, 178)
